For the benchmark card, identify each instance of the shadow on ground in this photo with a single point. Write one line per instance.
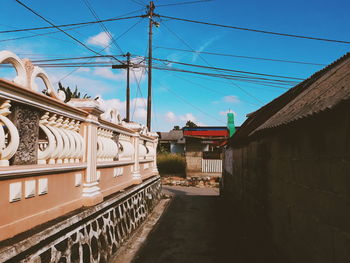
(196, 228)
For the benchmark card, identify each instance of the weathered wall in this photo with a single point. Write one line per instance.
(92, 235)
(294, 184)
(193, 157)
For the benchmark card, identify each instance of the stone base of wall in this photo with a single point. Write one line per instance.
(91, 234)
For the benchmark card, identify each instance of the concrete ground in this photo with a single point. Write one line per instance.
(195, 227)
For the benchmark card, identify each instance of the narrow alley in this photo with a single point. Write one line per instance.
(196, 228)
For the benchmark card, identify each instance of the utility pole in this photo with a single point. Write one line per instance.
(149, 98)
(127, 67)
(128, 87)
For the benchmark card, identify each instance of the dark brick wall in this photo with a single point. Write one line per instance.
(293, 183)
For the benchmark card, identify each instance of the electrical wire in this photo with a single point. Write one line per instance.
(138, 2)
(64, 32)
(224, 69)
(167, 61)
(104, 28)
(242, 78)
(120, 36)
(69, 25)
(192, 105)
(235, 84)
(42, 34)
(184, 3)
(239, 56)
(256, 30)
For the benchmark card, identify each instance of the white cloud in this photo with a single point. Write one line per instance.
(108, 74)
(85, 85)
(231, 99)
(101, 39)
(140, 114)
(138, 110)
(170, 117)
(188, 117)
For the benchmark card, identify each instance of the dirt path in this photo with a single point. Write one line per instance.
(196, 228)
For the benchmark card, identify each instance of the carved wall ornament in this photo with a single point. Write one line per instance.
(26, 119)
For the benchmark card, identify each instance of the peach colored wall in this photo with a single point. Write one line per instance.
(110, 184)
(146, 173)
(62, 197)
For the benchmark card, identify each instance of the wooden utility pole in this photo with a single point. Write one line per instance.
(128, 88)
(127, 67)
(149, 98)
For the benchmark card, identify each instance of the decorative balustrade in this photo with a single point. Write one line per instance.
(61, 142)
(107, 148)
(151, 150)
(71, 154)
(126, 148)
(142, 150)
(9, 138)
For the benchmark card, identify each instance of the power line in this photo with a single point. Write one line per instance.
(73, 58)
(184, 42)
(205, 87)
(240, 56)
(69, 25)
(192, 105)
(228, 77)
(256, 30)
(42, 34)
(225, 69)
(121, 35)
(138, 2)
(64, 32)
(104, 28)
(187, 102)
(184, 3)
(162, 60)
(240, 77)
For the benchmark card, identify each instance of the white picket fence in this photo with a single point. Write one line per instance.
(211, 166)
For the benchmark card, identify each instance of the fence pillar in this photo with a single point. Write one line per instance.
(136, 167)
(91, 190)
(155, 168)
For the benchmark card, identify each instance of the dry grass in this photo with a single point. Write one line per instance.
(171, 164)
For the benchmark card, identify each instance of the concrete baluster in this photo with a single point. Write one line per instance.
(46, 154)
(8, 151)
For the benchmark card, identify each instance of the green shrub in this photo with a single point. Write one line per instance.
(171, 164)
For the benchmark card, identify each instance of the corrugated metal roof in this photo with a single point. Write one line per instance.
(323, 90)
(324, 93)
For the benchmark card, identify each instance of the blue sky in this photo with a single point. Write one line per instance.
(178, 97)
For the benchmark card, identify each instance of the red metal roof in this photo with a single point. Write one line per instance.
(207, 133)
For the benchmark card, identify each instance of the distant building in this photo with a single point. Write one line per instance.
(172, 141)
(204, 150)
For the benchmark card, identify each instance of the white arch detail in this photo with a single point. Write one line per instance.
(9, 57)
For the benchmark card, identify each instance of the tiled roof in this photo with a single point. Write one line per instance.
(323, 90)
